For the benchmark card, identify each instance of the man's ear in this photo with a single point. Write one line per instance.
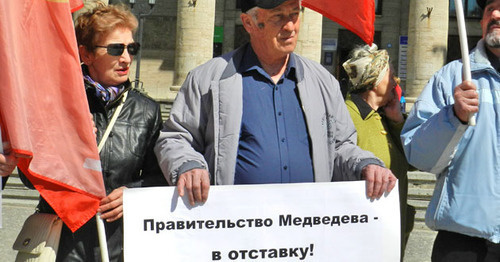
(86, 56)
(247, 21)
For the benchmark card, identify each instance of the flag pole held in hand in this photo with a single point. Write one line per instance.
(101, 232)
(464, 48)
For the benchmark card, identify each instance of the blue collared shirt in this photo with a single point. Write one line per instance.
(274, 142)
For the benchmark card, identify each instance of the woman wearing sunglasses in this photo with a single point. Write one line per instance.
(376, 112)
(106, 48)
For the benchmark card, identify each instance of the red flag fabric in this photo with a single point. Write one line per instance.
(43, 106)
(399, 92)
(357, 16)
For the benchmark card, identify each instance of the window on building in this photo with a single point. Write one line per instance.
(471, 9)
(378, 7)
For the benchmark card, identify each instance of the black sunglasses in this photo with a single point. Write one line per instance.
(117, 49)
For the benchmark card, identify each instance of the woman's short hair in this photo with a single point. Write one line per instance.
(93, 25)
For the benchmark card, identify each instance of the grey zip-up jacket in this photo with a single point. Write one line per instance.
(203, 130)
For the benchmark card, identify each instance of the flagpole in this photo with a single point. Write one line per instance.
(101, 231)
(464, 48)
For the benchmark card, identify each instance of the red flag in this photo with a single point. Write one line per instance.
(358, 16)
(399, 92)
(43, 106)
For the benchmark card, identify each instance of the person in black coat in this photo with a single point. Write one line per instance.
(107, 47)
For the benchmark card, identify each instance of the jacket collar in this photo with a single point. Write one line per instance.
(251, 62)
(479, 58)
(495, 61)
(115, 102)
(235, 59)
(364, 109)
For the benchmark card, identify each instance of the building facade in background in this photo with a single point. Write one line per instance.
(391, 33)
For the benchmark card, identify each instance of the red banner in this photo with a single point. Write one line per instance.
(44, 109)
(357, 16)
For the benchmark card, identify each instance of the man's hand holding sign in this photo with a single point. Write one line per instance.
(196, 183)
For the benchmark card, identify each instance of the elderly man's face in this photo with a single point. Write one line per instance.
(490, 24)
(275, 31)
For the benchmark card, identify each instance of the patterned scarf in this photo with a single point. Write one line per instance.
(106, 94)
(366, 68)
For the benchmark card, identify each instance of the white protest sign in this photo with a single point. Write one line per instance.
(274, 222)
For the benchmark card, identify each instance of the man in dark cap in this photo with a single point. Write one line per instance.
(465, 206)
(262, 114)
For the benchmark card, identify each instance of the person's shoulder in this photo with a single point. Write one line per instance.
(311, 66)
(216, 68)
(479, 58)
(215, 64)
(349, 102)
(352, 107)
(307, 61)
(143, 105)
(453, 64)
(450, 70)
(142, 98)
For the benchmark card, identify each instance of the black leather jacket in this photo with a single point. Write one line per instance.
(127, 159)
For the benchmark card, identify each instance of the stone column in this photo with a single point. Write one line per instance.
(195, 33)
(309, 42)
(427, 42)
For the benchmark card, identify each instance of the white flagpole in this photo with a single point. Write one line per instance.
(464, 48)
(101, 231)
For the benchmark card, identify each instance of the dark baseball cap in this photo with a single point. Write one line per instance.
(483, 3)
(265, 4)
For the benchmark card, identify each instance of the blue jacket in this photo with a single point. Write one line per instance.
(465, 158)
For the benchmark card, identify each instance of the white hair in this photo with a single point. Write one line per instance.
(253, 13)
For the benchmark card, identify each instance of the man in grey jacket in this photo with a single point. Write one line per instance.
(262, 114)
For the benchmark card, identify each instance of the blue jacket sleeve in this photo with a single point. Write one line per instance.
(432, 131)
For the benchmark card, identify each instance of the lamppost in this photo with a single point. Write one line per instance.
(142, 16)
